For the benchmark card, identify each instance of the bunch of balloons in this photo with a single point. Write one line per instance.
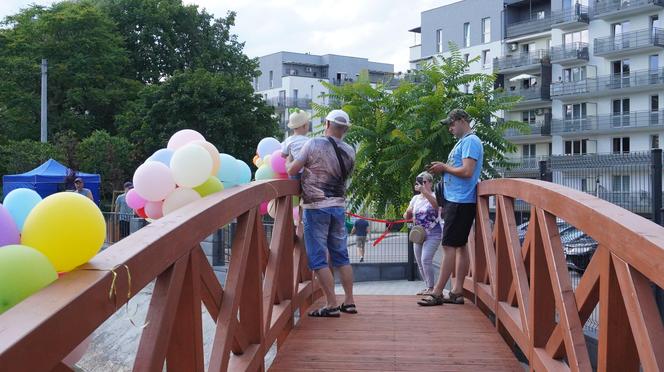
(188, 169)
(271, 165)
(40, 238)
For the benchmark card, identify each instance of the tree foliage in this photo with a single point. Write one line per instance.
(21, 156)
(398, 132)
(109, 156)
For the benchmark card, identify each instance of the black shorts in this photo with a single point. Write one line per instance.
(458, 219)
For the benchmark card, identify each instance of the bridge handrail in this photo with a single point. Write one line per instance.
(527, 287)
(265, 285)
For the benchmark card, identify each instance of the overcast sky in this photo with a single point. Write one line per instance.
(375, 29)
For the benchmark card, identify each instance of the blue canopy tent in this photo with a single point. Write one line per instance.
(48, 179)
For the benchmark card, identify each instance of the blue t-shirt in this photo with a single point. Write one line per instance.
(464, 190)
(361, 227)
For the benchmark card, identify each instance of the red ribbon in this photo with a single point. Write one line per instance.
(388, 222)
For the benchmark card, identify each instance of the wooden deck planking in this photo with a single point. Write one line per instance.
(393, 333)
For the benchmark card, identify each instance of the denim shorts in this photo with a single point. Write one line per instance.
(325, 231)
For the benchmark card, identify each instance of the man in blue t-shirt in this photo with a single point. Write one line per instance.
(360, 229)
(461, 174)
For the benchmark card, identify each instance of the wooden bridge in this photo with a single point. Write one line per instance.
(518, 296)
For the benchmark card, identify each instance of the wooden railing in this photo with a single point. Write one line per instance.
(264, 287)
(527, 288)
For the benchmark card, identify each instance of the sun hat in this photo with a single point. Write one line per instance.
(298, 119)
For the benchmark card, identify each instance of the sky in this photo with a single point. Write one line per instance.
(374, 29)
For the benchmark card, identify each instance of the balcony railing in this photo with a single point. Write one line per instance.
(528, 94)
(539, 128)
(571, 51)
(529, 26)
(610, 122)
(516, 60)
(574, 14)
(650, 37)
(303, 103)
(611, 82)
(603, 7)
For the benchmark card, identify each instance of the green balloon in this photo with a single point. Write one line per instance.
(23, 271)
(264, 172)
(210, 186)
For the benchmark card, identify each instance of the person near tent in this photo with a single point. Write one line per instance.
(78, 184)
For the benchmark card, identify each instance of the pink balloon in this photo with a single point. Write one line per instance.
(183, 137)
(296, 214)
(153, 181)
(154, 209)
(263, 208)
(278, 162)
(8, 230)
(134, 201)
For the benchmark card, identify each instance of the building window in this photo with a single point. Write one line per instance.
(466, 88)
(439, 41)
(485, 58)
(574, 74)
(621, 145)
(271, 79)
(620, 116)
(620, 183)
(295, 93)
(466, 34)
(466, 57)
(540, 14)
(486, 30)
(575, 37)
(528, 116)
(576, 147)
(654, 141)
(529, 150)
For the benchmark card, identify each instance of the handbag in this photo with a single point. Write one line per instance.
(417, 234)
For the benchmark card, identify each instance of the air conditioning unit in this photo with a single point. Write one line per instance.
(513, 47)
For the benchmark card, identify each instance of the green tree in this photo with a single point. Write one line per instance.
(109, 156)
(397, 132)
(221, 106)
(21, 156)
(87, 61)
(164, 36)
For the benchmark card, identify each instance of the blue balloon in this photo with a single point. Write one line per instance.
(162, 156)
(19, 203)
(267, 146)
(228, 169)
(243, 175)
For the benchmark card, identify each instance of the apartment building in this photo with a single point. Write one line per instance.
(290, 81)
(588, 71)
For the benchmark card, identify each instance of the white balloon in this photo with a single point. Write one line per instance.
(272, 208)
(183, 137)
(178, 199)
(153, 181)
(191, 165)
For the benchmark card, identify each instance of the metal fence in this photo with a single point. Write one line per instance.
(118, 226)
(602, 7)
(643, 38)
(605, 83)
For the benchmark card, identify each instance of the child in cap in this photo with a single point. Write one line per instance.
(299, 123)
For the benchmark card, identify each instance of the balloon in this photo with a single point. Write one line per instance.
(272, 208)
(9, 233)
(210, 186)
(179, 198)
(227, 169)
(183, 137)
(267, 160)
(153, 210)
(23, 271)
(259, 162)
(243, 173)
(191, 165)
(278, 162)
(263, 208)
(267, 146)
(265, 173)
(67, 227)
(134, 200)
(140, 212)
(19, 203)
(153, 181)
(296, 214)
(163, 156)
(214, 154)
(255, 160)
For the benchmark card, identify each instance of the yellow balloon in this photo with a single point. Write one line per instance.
(66, 227)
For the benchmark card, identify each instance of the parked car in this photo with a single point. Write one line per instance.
(578, 246)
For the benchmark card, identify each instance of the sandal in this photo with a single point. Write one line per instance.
(326, 312)
(348, 309)
(424, 292)
(431, 300)
(453, 298)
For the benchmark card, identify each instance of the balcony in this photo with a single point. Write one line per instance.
(520, 62)
(530, 26)
(610, 123)
(415, 53)
(567, 19)
(612, 9)
(642, 41)
(569, 54)
(636, 81)
(537, 129)
(531, 95)
(289, 102)
(526, 167)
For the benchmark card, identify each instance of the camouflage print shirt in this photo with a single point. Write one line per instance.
(322, 183)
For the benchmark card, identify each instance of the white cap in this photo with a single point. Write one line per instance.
(339, 117)
(298, 119)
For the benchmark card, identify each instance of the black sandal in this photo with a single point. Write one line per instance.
(453, 298)
(348, 308)
(326, 312)
(431, 300)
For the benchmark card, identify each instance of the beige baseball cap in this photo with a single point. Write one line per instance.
(298, 119)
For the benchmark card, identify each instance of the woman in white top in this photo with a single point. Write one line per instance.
(424, 211)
